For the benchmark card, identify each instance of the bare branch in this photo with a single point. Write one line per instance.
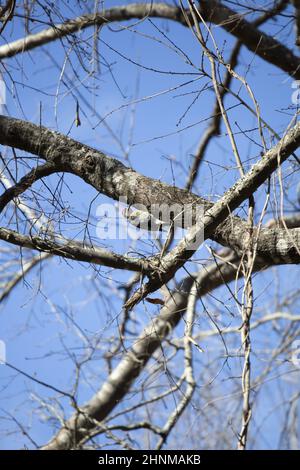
(267, 47)
(26, 267)
(27, 181)
(134, 360)
(74, 250)
(214, 216)
(112, 178)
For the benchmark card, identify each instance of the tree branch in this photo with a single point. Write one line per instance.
(263, 45)
(135, 360)
(74, 250)
(34, 175)
(112, 178)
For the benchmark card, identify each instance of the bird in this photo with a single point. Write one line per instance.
(143, 220)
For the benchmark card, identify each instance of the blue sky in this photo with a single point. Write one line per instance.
(163, 133)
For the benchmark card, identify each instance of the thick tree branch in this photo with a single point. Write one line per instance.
(267, 47)
(135, 360)
(74, 250)
(34, 175)
(214, 216)
(296, 4)
(6, 13)
(110, 177)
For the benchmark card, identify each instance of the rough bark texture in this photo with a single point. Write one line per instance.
(110, 177)
(273, 245)
(73, 250)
